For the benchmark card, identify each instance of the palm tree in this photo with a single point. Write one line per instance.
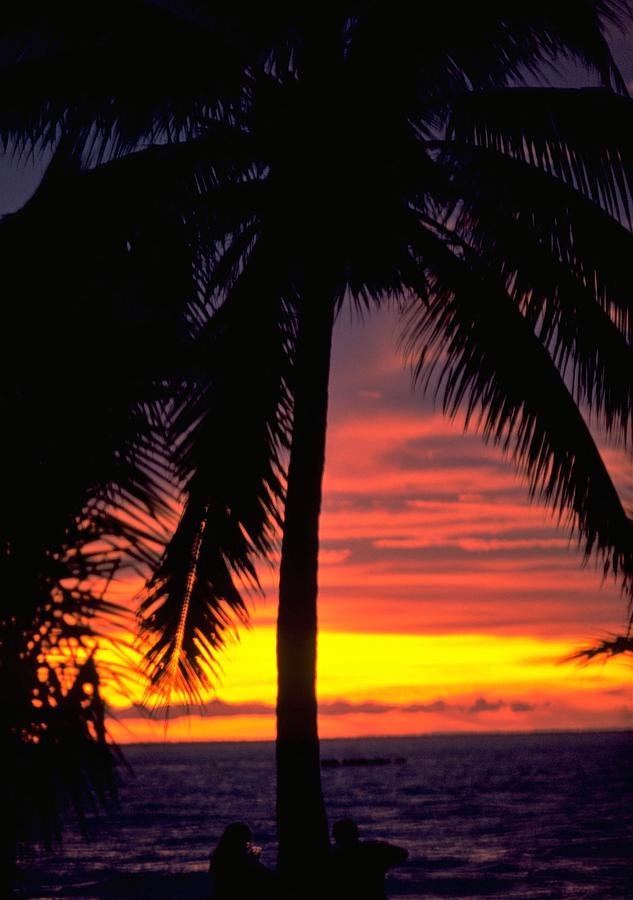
(75, 488)
(319, 159)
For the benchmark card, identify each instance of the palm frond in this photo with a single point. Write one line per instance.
(105, 251)
(53, 584)
(230, 429)
(142, 71)
(559, 258)
(612, 646)
(132, 74)
(438, 52)
(580, 136)
(588, 241)
(82, 468)
(491, 363)
(61, 758)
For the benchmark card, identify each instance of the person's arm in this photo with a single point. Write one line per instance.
(388, 855)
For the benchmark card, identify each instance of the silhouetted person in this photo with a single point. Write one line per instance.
(358, 867)
(235, 870)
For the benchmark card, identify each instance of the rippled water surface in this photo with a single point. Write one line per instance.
(517, 816)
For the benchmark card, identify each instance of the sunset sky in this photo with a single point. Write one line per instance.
(447, 600)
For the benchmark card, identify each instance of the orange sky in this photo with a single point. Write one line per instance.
(447, 601)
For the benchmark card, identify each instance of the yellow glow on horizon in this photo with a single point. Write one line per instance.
(399, 683)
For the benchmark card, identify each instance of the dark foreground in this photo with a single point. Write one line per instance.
(511, 816)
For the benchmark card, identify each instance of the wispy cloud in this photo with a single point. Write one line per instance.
(217, 708)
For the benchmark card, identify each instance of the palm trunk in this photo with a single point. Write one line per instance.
(301, 819)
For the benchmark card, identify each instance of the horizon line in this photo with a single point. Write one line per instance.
(393, 737)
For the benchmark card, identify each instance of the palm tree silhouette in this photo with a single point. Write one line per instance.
(78, 485)
(302, 160)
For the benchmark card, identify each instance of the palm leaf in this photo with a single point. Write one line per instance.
(538, 235)
(230, 430)
(82, 476)
(582, 137)
(514, 394)
(105, 247)
(131, 74)
(613, 646)
(141, 71)
(53, 733)
(435, 52)
(572, 228)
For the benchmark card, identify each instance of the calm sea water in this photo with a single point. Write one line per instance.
(496, 816)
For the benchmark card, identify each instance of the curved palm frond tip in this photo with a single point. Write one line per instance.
(617, 645)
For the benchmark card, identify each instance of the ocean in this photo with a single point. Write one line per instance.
(495, 816)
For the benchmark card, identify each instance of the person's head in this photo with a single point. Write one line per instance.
(234, 840)
(345, 832)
